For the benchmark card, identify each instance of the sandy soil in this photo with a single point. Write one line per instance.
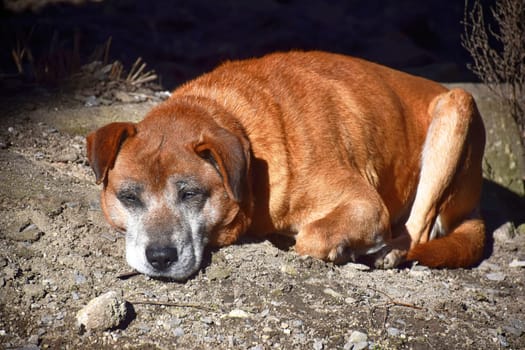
(57, 253)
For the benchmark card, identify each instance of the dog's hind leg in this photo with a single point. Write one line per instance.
(358, 224)
(450, 180)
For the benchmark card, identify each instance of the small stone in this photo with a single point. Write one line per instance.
(297, 323)
(517, 263)
(34, 292)
(238, 313)
(178, 332)
(318, 344)
(419, 271)
(107, 311)
(34, 339)
(495, 276)
(333, 293)
(289, 270)
(68, 156)
(393, 332)
(359, 267)
(504, 233)
(30, 233)
(360, 346)
(207, 320)
(79, 278)
(350, 300)
(124, 97)
(357, 337)
(218, 272)
(91, 101)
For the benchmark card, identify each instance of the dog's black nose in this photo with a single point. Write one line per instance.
(161, 257)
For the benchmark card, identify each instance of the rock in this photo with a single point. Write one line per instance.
(318, 344)
(332, 293)
(495, 276)
(289, 270)
(358, 341)
(419, 271)
(504, 233)
(360, 346)
(92, 101)
(517, 263)
(238, 313)
(393, 332)
(34, 292)
(359, 267)
(29, 233)
(79, 278)
(68, 156)
(124, 97)
(106, 311)
(178, 332)
(218, 272)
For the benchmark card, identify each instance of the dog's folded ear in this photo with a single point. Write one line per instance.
(103, 146)
(229, 157)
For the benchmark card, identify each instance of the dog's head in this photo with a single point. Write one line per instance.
(174, 183)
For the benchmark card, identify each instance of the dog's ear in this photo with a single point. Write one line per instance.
(229, 156)
(103, 146)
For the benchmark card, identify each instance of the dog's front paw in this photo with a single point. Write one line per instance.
(390, 259)
(337, 254)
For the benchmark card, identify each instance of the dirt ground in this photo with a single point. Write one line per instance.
(57, 253)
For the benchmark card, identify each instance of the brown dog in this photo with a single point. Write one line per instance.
(349, 157)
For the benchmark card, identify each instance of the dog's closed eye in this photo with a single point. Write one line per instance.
(130, 198)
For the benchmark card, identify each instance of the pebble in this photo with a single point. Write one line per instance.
(360, 346)
(504, 233)
(79, 278)
(332, 293)
(318, 344)
(66, 157)
(357, 341)
(34, 292)
(359, 267)
(419, 271)
(357, 337)
(517, 263)
(124, 97)
(238, 313)
(218, 272)
(106, 311)
(30, 233)
(178, 332)
(207, 320)
(289, 270)
(92, 101)
(393, 332)
(495, 276)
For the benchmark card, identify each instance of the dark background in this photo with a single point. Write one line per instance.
(183, 38)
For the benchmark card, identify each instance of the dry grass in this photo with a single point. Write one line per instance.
(60, 64)
(498, 51)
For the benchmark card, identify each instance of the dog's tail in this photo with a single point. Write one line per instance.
(463, 247)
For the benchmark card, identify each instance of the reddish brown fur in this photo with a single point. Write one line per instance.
(324, 145)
